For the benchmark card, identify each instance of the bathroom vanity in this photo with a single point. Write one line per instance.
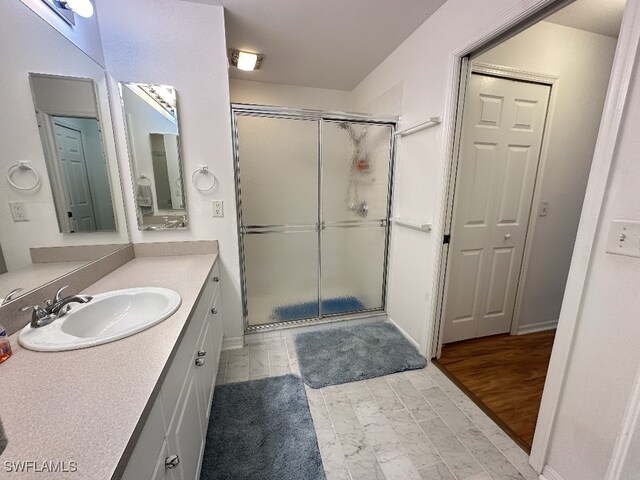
(172, 440)
(135, 408)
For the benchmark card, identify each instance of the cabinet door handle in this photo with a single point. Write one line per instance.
(214, 310)
(216, 279)
(171, 462)
(201, 353)
(199, 362)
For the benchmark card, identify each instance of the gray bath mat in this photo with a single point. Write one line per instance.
(261, 430)
(349, 354)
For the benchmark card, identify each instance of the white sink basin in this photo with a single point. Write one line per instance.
(108, 317)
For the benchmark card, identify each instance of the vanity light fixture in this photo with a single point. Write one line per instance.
(247, 61)
(82, 8)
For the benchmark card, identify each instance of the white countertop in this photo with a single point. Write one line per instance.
(83, 406)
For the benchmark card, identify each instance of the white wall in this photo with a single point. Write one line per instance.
(181, 44)
(261, 93)
(84, 34)
(605, 355)
(582, 61)
(31, 45)
(412, 81)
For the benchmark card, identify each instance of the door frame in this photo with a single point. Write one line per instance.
(515, 74)
(502, 26)
(319, 116)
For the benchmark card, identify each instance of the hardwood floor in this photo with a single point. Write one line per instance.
(504, 375)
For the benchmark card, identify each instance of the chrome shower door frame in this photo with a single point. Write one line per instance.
(319, 116)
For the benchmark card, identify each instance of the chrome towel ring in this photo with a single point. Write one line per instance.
(22, 165)
(203, 169)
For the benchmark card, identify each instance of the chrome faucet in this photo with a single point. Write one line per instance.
(54, 309)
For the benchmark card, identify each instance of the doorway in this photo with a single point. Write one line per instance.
(514, 208)
(314, 224)
(75, 173)
(503, 127)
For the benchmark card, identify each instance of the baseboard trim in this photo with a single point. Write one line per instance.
(549, 473)
(537, 327)
(405, 334)
(232, 343)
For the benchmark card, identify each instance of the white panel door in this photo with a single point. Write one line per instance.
(74, 171)
(502, 131)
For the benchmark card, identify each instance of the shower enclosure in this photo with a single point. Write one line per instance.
(314, 194)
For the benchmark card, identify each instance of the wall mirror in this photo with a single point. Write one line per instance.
(151, 117)
(61, 203)
(71, 135)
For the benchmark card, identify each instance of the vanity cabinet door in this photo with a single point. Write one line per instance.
(161, 471)
(149, 446)
(185, 437)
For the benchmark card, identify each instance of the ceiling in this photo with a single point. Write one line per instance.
(320, 43)
(597, 16)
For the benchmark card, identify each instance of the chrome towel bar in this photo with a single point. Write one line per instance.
(432, 122)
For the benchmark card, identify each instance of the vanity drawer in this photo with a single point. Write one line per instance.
(206, 369)
(214, 277)
(216, 322)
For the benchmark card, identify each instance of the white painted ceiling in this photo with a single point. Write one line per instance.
(597, 16)
(320, 43)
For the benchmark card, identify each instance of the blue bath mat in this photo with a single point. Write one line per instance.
(261, 430)
(349, 354)
(330, 306)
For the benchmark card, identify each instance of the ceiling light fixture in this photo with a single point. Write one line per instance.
(82, 8)
(247, 61)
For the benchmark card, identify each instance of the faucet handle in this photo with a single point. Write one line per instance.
(59, 293)
(39, 316)
(38, 311)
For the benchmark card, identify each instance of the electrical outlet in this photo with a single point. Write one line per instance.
(19, 211)
(217, 208)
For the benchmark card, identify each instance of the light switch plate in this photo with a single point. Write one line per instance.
(544, 209)
(624, 238)
(19, 211)
(217, 208)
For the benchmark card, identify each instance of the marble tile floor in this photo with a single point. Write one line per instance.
(407, 426)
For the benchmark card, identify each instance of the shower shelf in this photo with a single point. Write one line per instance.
(421, 227)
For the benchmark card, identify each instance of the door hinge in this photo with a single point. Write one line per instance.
(447, 239)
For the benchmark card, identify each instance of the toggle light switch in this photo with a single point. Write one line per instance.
(624, 238)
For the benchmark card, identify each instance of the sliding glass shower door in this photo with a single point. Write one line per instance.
(314, 201)
(356, 160)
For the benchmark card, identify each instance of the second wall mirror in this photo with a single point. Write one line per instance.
(151, 117)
